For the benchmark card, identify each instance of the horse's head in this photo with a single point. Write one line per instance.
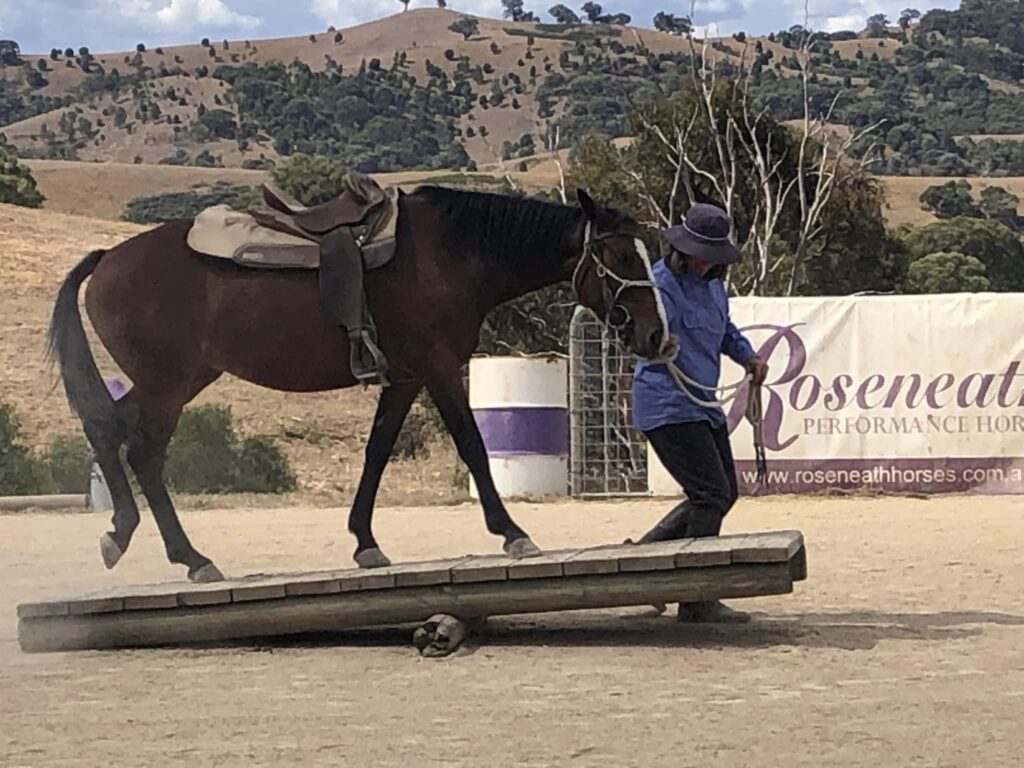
(613, 279)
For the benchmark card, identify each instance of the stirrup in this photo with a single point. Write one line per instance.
(366, 374)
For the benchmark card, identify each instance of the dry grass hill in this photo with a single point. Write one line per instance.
(422, 34)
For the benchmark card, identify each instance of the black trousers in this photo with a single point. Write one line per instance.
(699, 458)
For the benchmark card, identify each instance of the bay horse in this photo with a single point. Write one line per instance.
(174, 320)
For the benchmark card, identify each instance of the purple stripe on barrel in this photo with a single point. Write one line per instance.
(511, 431)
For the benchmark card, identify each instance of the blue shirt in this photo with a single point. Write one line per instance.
(698, 315)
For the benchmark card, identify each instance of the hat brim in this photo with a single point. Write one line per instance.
(721, 252)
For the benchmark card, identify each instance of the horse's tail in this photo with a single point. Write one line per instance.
(87, 393)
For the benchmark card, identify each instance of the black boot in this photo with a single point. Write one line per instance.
(671, 526)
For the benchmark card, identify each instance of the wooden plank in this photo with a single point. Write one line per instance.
(266, 591)
(428, 574)
(660, 556)
(147, 597)
(205, 594)
(150, 602)
(705, 552)
(42, 609)
(317, 583)
(96, 605)
(548, 565)
(367, 579)
(593, 561)
(769, 547)
(798, 565)
(484, 568)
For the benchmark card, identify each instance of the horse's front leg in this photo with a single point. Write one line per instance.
(449, 395)
(392, 408)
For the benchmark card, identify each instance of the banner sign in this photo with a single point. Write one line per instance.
(891, 393)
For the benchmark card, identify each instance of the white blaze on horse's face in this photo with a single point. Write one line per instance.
(641, 250)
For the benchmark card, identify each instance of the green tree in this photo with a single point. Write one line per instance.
(856, 251)
(311, 179)
(1000, 205)
(563, 14)
(672, 24)
(466, 26)
(950, 199)
(947, 272)
(877, 25)
(593, 11)
(17, 186)
(993, 244)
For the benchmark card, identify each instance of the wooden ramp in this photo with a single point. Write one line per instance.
(469, 587)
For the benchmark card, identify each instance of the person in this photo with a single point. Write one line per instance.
(691, 439)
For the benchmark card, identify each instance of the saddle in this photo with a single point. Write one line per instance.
(343, 238)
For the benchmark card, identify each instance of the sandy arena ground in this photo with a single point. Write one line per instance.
(904, 647)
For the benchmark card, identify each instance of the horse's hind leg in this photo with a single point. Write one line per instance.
(106, 444)
(147, 453)
(392, 408)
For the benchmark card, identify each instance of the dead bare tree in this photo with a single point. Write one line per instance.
(744, 154)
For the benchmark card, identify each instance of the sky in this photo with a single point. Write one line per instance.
(117, 25)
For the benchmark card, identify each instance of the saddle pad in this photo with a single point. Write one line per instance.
(229, 234)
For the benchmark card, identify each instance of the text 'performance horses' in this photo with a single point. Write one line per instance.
(174, 320)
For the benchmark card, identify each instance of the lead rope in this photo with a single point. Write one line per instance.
(754, 413)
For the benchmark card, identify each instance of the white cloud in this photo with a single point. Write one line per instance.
(185, 14)
(344, 12)
(854, 22)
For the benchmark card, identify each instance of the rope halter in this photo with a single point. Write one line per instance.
(606, 274)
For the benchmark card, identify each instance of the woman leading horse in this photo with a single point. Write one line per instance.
(683, 424)
(175, 321)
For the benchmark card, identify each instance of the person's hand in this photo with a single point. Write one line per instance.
(758, 369)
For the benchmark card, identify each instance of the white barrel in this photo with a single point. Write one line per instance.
(99, 493)
(521, 407)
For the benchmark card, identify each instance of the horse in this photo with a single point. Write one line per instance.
(175, 320)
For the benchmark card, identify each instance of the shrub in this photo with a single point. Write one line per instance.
(311, 179)
(171, 206)
(69, 460)
(423, 427)
(17, 186)
(20, 472)
(206, 456)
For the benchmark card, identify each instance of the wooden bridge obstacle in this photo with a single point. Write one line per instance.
(469, 588)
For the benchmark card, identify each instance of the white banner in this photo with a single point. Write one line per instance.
(894, 393)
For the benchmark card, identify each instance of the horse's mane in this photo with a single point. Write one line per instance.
(502, 229)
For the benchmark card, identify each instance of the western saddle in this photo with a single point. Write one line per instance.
(343, 238)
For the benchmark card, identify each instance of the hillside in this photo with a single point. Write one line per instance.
(405, 92)
(322, 434)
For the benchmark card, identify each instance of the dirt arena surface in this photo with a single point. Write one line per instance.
(905, 646)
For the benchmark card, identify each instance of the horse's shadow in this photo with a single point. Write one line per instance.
(844, 630)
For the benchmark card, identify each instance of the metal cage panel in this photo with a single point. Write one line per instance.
(608, 456)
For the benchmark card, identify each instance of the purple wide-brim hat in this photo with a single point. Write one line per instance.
(705, 235)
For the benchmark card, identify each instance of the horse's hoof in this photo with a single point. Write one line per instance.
(109, 550)
(371, 558)
(521, 548)
(207, 574)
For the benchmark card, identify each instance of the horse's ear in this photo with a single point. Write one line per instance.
(588, 204)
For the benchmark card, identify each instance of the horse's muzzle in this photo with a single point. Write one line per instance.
(647, 342)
